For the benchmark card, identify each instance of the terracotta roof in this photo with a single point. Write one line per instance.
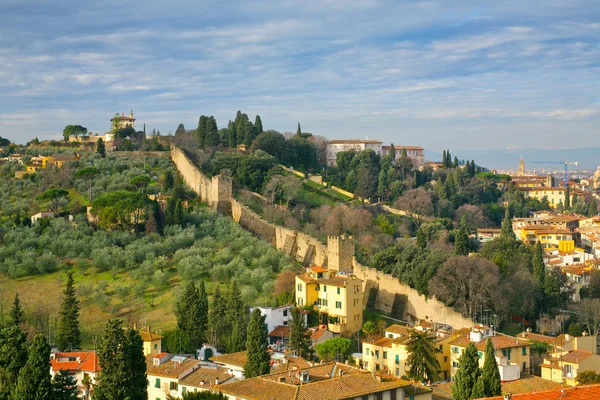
(170, 369)
(280, 331)
(402, 147)
(236, 359)
(207, 375)
(398, 329)
(499, 341)
(590, 392)
(536, 336)
(340, 281)
(527, 384)
(316, 268)
(350, 141)
(325, 383)
(317, 334)
(575, 356)
(306, 278)
(86, 361)
(291, 363)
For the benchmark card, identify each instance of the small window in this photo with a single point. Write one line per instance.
(397, 359)
(397, 371)
(155, 346)
(173, 385)
(385, 355)
(157, 383)
(480, 354)
(338, 304)
(184, 390)
(325, 288)
(299, 287)
(285, 312)
(338, 290)
(524, 351)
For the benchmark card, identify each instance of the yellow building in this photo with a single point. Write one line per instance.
(512, 354)
(152, 341)
(164, 372)
(549, 237)
(555, 195)
(390, 352)
(122, 121)
(58, 160)
(32, 169)
(337, 297)
(563, 367)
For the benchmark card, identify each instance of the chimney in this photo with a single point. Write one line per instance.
(508, 396)
(216, 381)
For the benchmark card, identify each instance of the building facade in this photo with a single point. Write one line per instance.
(84, 366)
(415, 153)
(333, 147)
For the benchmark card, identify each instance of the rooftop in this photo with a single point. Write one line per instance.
(527, 384)
(148, 336)
(280, 331)
(589, 392)
(402, 147)
(205, 376)
(86, 361)
(354, 141)
(169, 369)
(236, 359)
(499, 341)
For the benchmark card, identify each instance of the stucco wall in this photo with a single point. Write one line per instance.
(391, 296)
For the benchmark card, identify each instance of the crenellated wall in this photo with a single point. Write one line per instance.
(389, 294)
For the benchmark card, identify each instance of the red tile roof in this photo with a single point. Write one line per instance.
(590, 392)
(280, 331)
(87, 361)
(316, 268)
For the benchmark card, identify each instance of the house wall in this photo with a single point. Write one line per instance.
(275, 317)
(161, 392)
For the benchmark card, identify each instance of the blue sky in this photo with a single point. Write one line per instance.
(440, 74)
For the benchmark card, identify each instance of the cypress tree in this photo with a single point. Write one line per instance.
(101, 148)
(123, 364)
(567, 198)
(191, 317)
(180, 130)
(258, 125)
(421, 239)
(455, 163)
(13, 356)
(299, 130)
(392, 151)
(382, 184)
(34, 381)
(461, 246)
(479, 389)
(467, 373)
(490, 374)
(68, 335)
(237, 319)
(64, 386)
(473, 168)
(592, 209)
(258, 359)
(201, 131)
(216, 320)
(16, 312)
(232, 134)
(539, 269)
(299, 339)
(240, 129)
(506, 226)
(249, 133)
(211, 131)
(178, 216)
(444, 162)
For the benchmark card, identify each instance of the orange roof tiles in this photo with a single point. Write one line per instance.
(316, 268)
(280, 331)
(590, 392)
(575, 356)
(236, 359)
(171, 369)
(87, 361)
(148, 336)
(499, 341)
(204, 377)
(344, 141)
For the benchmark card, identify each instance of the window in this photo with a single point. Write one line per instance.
(325, 288)
(183, 390)
(376, 353)
(445, 359)
(385, 355)
(455, 350)
(397, 359)
(506, 353)
(480, 354)
(155, 346)
(338, 304)
(524, 351)
(285, 312)
(397, 371)
(157, 383)
(454, 364)
(299, 287)
(173, 385)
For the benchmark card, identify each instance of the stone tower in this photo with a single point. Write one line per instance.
(220, 196)
(521, 167)
(340, 253)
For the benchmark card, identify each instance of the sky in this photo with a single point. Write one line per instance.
(440, 74)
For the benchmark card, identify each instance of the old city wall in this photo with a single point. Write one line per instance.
(389, 294)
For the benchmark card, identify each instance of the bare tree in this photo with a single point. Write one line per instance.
(417, 202)
(588, 311)
(467, 283)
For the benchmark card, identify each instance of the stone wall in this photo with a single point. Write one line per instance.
(387, 293)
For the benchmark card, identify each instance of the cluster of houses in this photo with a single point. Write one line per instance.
(37, 163)
(333, 147)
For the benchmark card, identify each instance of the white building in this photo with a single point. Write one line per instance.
(43, 214)
(277, 316)
(80, 365)
(415, 153)
(333, 147)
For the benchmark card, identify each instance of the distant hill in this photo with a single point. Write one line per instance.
(588, 158)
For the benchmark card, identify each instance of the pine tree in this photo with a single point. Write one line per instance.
(539, 269)
(201, 131)
(299, 338)
(258, 125)
(212, 138)
(455, 163)
(232, 134)
(34, 381)
(151, 223)
(121, 355)
(506, 227)
(237, 319)
(592, 209)
(461, 245)
(382, 185)
(258, 359)
(490, 375)
(13, 356)
(16, 312)
(421, 238)
(68, 335)
(299, 130)
(422, 350)
(192, 313)
(64, 386)
(467, 373)
(180, 130)
(444, 161)
(100, 148)
(567, 198)
(392, 151)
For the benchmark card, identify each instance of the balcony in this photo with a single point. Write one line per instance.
(335, 328)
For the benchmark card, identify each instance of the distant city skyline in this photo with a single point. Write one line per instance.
(461, 75)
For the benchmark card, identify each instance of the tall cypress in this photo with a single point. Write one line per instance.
(539, 268)
(240, 128)
(467, 373)
(567, 198)
(101, 148)
(69, 336)
(16, 312)
(258, 359)
(592, 209)
(237, 319)
(444, 162)
(123, 364)
(421, 238)
(34, 381)
(211, 132)
(13, 356)
(232, 134)
(299, 130)
(392, 151)
(299, 338)
(191, 317)
(490, 375)
(201, 131)
(64, 386)
(258, 125)
(249, 133)
(216, 317)
(506, 226)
